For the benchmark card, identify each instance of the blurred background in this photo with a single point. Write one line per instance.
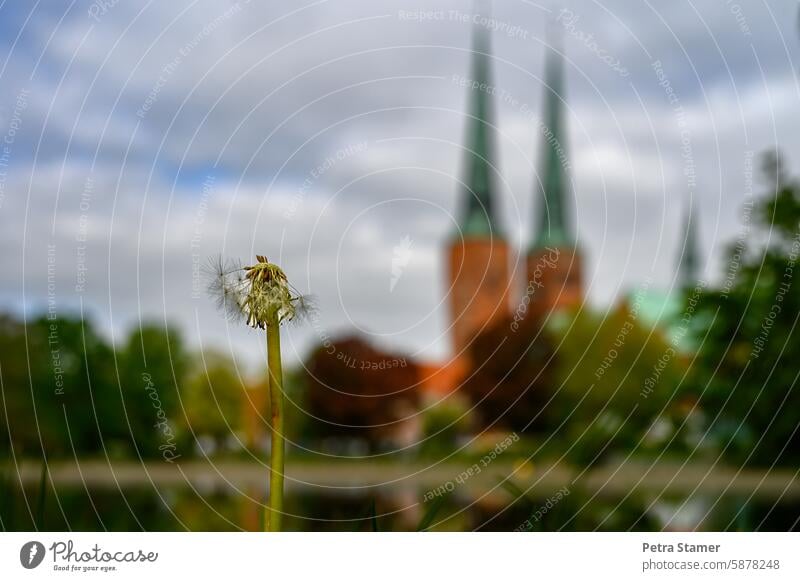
(551, 249)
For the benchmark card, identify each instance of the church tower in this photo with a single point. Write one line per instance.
(689, 263)
(478, 254)
(554, 262)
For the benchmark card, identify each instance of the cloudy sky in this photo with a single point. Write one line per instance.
(141, 138)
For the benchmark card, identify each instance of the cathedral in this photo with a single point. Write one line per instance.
(480, 257)
(481, 287)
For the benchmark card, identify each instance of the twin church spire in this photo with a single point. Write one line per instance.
(481, 283)
(480, 197)
(553, 185)
(479, 256)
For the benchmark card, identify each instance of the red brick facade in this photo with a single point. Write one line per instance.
(479, 287)
(554, 280)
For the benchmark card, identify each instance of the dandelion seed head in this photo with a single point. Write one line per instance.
(255, 293)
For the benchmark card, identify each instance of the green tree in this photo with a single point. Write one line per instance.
(57, 383)
(153, 364)
(615, 377)
(749, 358)
(442, 424)
(212, 397)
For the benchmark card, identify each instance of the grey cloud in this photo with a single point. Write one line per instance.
(390, 84)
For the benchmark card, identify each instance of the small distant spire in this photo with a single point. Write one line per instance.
(689, 262)
(479, 217)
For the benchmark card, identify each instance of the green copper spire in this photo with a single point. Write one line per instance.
(553, 188)
(479, 216)
(689, 263)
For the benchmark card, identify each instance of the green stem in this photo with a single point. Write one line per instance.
(276, 461)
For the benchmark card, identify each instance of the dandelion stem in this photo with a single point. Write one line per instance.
(262, 296)
(276, 461)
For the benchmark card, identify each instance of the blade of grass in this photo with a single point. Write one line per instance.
(373, 515)
(42, 497)
(430, 514)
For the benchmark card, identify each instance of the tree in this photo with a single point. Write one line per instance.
(443, 422)
(57, 382)
(746, 375)
(357, 391)
(511, 377)
(615, 378)
(153, 365)
(212, 397)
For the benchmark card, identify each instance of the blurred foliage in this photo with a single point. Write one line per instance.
(212, 398)
(358, 391)
(443, 422)
(67, 392)
(748, 363)
(579, 383)
(602, 405)
(58, 376)
(511, 378)
(153, 365)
